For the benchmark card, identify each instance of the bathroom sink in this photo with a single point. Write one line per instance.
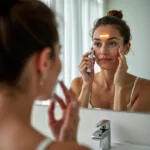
(123, 146)
(127, 146)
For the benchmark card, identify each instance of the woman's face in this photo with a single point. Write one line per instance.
(106, 43)
(52, 75)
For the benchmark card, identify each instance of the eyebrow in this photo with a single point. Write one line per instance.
(98, 39)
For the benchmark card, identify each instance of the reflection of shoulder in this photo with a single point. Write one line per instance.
(144, 93)
(144, 85)
(76, 85)
(77, 81)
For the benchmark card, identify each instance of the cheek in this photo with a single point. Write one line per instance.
(114, 53)
(96, 52)
(59, 66)
(55, 70)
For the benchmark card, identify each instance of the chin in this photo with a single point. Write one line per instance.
(108, 67)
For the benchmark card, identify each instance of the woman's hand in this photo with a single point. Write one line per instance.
(119, 77)
(66, 127)
(87, 62)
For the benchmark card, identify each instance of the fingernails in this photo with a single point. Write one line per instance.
(53, 100)
(60, 81)
(74, 104)
(53, 97)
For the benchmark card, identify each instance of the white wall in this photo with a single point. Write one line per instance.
(136, 13)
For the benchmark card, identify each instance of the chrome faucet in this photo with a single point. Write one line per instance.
(103, 134)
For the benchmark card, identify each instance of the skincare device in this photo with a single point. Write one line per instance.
(91, 57)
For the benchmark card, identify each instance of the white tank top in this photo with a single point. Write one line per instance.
(130, 103)
(44, 144)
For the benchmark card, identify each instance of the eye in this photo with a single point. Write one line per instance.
(112, 43)
(97, 44)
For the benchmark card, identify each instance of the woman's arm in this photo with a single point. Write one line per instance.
(119, 83)
(119, 99)
(82, 91)
(82, 86)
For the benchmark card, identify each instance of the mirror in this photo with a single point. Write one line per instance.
(77, 19)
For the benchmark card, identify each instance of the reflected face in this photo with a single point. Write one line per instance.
(106, 43)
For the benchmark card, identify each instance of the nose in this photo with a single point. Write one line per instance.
(104, 49)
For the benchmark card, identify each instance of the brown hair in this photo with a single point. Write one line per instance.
(114, 17)
(115, 13)
(26, 27)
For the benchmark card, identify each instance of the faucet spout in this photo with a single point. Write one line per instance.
(103, 134)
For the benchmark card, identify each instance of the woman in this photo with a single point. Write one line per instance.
(111, 88)
(29, 67)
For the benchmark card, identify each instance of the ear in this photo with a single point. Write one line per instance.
(43, 61)
(127, 48)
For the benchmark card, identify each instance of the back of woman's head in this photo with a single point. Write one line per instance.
(26, 27)
(114, 18)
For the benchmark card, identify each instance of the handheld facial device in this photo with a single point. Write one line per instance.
(91, 57)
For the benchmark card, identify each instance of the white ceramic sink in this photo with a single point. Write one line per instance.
(127, 146)
(123, 146)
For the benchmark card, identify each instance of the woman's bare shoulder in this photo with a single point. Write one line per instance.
(141, 82)
(142, 100)
(76, 86)
(67, 146)
(143, 87)
(144, 83)
(77, 81)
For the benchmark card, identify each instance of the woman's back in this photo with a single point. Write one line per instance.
(17, 136)
(29, 68)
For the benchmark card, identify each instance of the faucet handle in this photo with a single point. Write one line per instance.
(105, 124)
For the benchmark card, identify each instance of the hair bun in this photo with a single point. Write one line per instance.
(5, 6)
(115, 13)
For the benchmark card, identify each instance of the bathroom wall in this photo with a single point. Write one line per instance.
(136, 13)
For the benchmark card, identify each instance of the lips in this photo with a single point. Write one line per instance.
(106, 59)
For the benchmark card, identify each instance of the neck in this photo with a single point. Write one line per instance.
(15, 106)
(107, 78)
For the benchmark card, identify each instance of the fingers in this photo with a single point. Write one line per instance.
(121, 54)
(88, 64)
(72, 114)
(51, 114)
(85, 60)
(60, 102)
(122, 60)
(85, 57)
(71, 121)
(120, 63)
(86, 54)
(66, 92)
